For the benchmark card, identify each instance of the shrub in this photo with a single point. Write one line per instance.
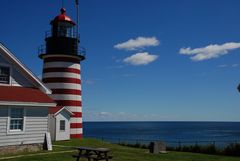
(232, 149)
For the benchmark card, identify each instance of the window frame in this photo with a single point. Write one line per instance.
(61, 126)
(17, 131)
(10, 73)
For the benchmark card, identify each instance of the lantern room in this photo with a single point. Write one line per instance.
(63, 26)
(63, 38)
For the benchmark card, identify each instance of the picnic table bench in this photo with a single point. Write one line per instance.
(92, 153)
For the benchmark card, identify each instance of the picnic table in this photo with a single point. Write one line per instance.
(92, 153)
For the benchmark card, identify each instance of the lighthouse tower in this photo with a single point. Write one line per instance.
(61, 68)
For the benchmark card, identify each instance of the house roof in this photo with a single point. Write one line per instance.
(12, 95)
(56, 110)
(27, 73)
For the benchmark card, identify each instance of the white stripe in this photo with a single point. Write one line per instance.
(61, 74)
(62, 65)
(66, 97)
(75, 108)
(75, 120)
(63, 86)
(76, 131)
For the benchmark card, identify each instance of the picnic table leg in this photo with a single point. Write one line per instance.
(106, 156)
(88, 154)
(78, 158)
(79, 154)
(98, 156)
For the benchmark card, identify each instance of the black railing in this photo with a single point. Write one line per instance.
(79, 51)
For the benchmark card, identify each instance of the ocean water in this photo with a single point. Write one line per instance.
(174, 133)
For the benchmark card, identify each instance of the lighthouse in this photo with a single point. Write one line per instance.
(61, 68)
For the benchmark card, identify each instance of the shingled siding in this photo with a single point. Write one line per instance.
(36, 125)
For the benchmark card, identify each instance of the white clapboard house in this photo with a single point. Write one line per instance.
(24, 105)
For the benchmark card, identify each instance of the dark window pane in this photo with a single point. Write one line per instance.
(4, 74)
(62, 125)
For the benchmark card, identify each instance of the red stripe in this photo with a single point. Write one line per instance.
(77, 114)
(62, 59)
(69, 70)
(76, 125)
(68, 103)
(79, 136)
(66, 91)
(61, 80)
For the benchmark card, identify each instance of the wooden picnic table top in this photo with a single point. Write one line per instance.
(92, 153)
(93, 149)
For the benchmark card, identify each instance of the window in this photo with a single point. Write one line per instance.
(16, 119)
(4, 74)
(62, 125)
(65, 30)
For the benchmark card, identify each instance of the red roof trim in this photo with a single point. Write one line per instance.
(23, 94)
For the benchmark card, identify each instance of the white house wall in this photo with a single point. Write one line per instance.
(17, 78)
(52, 126)
(36, 125)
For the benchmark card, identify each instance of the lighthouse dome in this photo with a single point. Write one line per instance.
(62, 18)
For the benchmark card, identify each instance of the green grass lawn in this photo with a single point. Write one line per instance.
(121, 153)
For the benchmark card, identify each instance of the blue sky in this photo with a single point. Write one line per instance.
(155, 60)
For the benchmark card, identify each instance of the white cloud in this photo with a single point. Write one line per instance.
(104, 114)
(140, 59)
(138, 43)
(123, 116)
(116, 67)
(223, 66)
(210, 51)
(89, 82)
(235, 65)
(128, 75)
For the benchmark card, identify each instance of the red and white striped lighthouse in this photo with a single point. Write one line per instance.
(61, 69)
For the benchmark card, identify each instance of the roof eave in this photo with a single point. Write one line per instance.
(41, 86)
(64, 108)
(40, 104)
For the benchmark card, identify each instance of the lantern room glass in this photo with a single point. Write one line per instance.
(63, 29)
